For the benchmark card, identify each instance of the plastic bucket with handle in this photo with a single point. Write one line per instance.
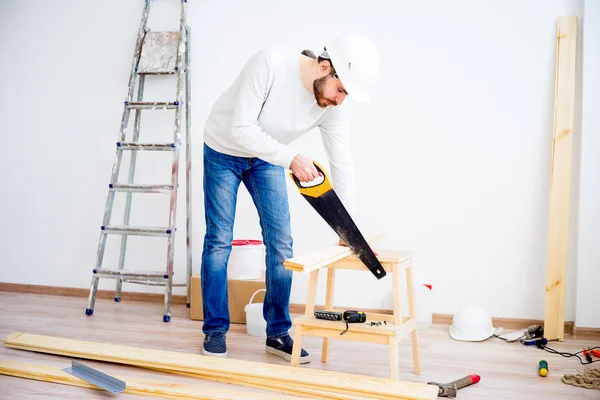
(255, 322)
(247, 259)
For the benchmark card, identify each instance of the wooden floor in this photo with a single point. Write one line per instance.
(507, 370)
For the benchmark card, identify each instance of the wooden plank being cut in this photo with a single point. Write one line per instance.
(134, 386)
(562, 149)
(313, 379)
(387, 258)
(318, 258)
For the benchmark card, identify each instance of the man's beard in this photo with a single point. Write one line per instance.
(318, 89)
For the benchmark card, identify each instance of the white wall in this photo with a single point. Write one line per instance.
(453, 152)
(588, 303)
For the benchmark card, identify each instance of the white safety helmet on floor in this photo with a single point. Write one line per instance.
(471, 323)
(356, 62)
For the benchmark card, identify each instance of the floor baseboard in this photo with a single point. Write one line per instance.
(80, 292)
(438, 319)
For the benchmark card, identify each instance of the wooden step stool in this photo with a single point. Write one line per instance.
(390, 333)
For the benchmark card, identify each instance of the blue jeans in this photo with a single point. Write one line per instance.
(267, 186)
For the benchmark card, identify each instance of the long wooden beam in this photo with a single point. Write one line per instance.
(562, 150)
(272, 385)
(134, 386)
(237, 371)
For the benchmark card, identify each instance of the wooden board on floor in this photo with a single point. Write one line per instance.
(274, 386)
(325, 381)
(133, 386)
(562, 149)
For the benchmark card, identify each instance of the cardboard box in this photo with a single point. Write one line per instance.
(239, 293)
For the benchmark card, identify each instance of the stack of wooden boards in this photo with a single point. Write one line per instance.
(303, 382)
(165, 390)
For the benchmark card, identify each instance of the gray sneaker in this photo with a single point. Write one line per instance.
(215, 345)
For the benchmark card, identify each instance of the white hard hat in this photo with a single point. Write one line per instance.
(356, 61)
(471, 323)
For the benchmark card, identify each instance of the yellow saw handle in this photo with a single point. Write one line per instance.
(317, 189)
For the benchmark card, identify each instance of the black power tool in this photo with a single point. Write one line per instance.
(350, 316)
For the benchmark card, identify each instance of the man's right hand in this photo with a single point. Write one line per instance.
(304, 169)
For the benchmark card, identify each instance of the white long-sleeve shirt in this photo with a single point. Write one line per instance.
(267, 107)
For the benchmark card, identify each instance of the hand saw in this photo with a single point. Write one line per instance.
(326, 202)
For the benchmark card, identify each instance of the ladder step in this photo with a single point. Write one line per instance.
(159, 53)
(146, 146)
(173, 72)
(153, 283)
(147, 276)
(151, 105)
(136, 230)
(141, 188)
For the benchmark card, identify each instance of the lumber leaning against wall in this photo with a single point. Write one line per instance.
(562, 144)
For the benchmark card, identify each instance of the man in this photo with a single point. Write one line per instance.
(279, 95)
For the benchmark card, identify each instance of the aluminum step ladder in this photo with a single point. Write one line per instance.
(156, 53)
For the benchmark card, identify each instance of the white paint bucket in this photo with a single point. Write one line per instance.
(247, 259)
(255, 322)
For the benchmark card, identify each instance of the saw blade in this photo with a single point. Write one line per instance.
(328, 205)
